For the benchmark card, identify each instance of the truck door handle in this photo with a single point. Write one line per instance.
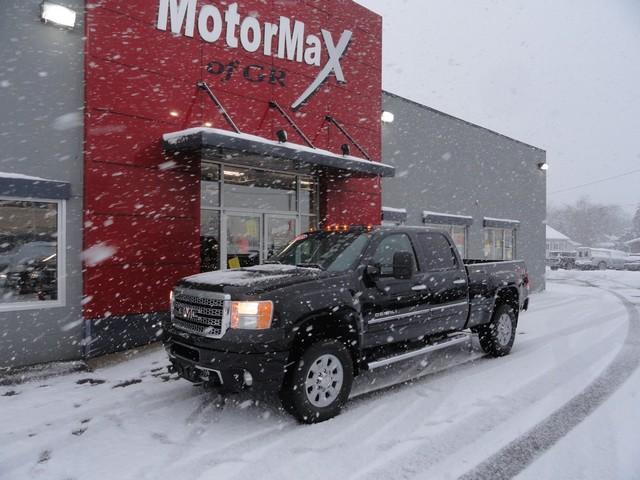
(419, 288)
(459, 281)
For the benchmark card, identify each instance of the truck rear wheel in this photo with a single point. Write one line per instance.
(497, 337)
(320, 382)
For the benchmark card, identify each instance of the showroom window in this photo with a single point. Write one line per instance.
(31, 253)
(499, 243)
(458, 234)
(457, 226)
(393, 216)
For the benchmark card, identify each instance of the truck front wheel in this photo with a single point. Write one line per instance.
(497, 337)
(319, 383)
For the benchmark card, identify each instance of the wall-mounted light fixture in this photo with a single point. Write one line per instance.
(174, 114)
(387, 117)
(208, 124)
(282, 136)
(346, 149)
(57, 14)
(544, 166)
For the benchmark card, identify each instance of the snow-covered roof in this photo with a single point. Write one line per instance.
(553, 234)
(427, 213)
(22, 186)
(19, 176)
(635, 240)
(504, 220)
(394, 210)
(199, 137)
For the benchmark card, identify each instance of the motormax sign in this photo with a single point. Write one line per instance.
(286, 39)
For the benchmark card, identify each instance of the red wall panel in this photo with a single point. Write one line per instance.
(141, 82)
(144, 240)
(138, 288)
(134, 191)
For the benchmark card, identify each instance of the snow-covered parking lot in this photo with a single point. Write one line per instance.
(564, 404)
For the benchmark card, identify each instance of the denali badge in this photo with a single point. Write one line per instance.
(282, 39)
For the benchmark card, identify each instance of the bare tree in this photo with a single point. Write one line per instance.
(589, 223)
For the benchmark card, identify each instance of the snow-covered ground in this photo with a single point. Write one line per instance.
(461, 415)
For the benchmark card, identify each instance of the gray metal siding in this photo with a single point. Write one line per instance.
(446, 165)
(41, 134)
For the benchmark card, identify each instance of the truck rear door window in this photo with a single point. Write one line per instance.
(438, 252)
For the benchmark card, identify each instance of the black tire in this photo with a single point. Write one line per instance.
(602, 266)
(493, 336)
(299, 400)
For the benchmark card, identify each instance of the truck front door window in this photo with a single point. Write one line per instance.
(383, 256)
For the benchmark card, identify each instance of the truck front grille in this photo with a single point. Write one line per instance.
(201, 313)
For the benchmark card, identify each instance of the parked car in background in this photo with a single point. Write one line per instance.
(562, 259)
(633, 262)
(600, 259)
(31, 269)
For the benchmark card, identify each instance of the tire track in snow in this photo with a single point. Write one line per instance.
(520, 453)
(405, 458)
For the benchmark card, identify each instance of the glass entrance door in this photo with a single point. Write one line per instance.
(248, 215)
(243, 240)
(278, 233)
(251, 238)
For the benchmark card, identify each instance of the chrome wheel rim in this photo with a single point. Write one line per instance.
(324, 380)
(505, 329)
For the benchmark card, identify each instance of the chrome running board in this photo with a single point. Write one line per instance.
(453, 339)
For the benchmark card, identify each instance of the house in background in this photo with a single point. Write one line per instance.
(558, 242)
(633, 245)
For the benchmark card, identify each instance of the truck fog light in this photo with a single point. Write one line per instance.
(247, 378)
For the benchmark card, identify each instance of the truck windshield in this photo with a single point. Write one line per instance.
(331, 251)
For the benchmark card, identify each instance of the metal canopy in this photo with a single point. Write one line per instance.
(261, 152)
(15, 185)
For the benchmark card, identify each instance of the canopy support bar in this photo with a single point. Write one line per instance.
(275, 105)
(223, 111)
(332, 120)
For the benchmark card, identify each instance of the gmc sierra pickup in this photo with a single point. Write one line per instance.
(333, 304)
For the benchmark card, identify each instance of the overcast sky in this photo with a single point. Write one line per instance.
(562, 75)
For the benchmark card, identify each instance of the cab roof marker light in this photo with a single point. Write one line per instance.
(57, 14)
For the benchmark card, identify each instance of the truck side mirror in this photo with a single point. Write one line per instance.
(372, 272)
(403, 265)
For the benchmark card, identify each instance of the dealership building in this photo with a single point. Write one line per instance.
(147, 140)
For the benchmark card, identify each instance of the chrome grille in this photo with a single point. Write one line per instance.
(206, 301)
(200, 313)
(196, 328)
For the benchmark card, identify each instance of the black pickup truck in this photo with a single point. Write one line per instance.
(333, 304)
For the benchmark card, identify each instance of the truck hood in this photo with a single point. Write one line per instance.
(258, 278)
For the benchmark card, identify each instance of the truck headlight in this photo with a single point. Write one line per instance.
(251, 315)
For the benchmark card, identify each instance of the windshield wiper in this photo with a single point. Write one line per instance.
(310, 265)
